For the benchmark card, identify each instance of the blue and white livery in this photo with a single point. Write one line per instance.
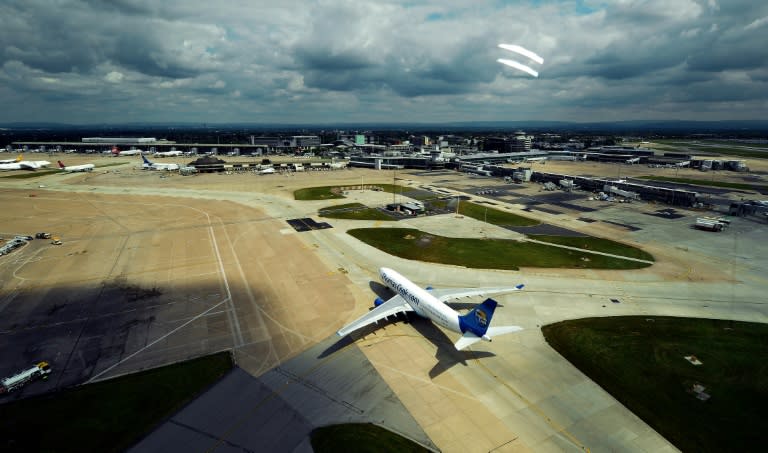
(147, 165)
(429, 303)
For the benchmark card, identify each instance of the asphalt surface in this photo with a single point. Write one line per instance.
(330, 383)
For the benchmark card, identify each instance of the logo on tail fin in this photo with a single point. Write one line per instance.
(481, 318)
(478, 320)
(61, 165)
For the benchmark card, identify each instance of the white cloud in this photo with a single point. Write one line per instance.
(757, 23)
(114, 77)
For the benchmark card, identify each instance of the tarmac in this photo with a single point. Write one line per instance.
(232, 274)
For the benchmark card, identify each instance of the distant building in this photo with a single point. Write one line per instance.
(122, 140)
(305, 141)
(420, 140)
(208, 164)
(518, 143)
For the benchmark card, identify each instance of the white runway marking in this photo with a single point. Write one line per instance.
(93, 378)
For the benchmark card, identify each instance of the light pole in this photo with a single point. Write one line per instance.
(394, 184)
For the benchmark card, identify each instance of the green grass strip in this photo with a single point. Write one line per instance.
(113, 164)
(597, 245)
(494, 216)
(640, 360)
(482, 253)
(106, 416)
(361, 438)
(28, 174)
(733, 150)
(331, 192)
(707, 182)
(354, 211)
(317, 193)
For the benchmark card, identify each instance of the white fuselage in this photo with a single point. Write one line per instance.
(165, 167)
(168, 154)
(74, 168)
(25, 165)
(423, 303)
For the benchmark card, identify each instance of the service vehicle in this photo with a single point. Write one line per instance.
(41, 370)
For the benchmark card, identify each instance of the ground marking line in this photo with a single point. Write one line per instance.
(156, 341)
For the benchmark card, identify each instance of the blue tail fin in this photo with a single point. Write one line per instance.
(478, 320)
(145, 160)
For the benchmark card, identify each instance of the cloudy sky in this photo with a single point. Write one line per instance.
(327, 61)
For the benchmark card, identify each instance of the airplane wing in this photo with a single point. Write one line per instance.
(447, 295)
(391, 307)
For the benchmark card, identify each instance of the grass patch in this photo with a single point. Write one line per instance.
(317, 193)
(707, 182)
(361, 438)
(640, 361)
(110, 415)
(597, 245)
(332, 192)
(353, 211)
(738, 144)
(494, 216)
(28, 174)
(732, 150)
(417, 245)
(438, 203)
(114, 164)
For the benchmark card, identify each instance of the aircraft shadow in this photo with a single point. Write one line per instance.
(381, 290)
(446, 354)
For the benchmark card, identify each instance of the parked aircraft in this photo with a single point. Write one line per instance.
(10, 161)
(168, 153)
(430, 303)
(73, 168)
(21, 164)
(267, 171)
(155, 166)
(128, 152)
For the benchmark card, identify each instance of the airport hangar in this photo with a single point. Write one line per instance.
(536, 414)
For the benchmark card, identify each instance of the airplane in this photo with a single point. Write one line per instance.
(73, 168)
(430, 303)
(128, 152)
(168, 154)
(267, 171)
(11, 161)
(21, 164)
(155, 166)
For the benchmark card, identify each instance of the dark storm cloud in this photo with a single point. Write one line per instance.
(384, 59)
(79, 38)
(405, 68)
(144, 53)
